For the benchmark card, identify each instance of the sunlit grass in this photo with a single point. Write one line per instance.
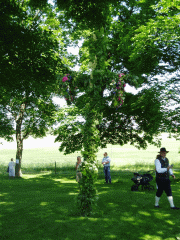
(42, 204)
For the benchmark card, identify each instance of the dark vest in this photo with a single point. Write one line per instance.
(164, 164)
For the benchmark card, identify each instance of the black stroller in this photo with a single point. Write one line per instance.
(142, 180)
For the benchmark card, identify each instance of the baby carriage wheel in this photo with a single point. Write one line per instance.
(148, 187)
(134, 188)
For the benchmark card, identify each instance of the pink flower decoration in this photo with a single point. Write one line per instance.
(121, 74)
(64, 79)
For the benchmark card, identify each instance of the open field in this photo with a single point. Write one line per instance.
(44, 152)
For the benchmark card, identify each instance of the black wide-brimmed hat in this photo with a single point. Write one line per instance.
(163, 150)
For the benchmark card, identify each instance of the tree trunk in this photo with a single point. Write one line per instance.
(88, 194)
(19, 140)
(19, 151)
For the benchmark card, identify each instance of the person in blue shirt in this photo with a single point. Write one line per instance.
(106, 163)
(163, 171)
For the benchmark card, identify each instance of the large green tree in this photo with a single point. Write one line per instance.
(30, 60)
(119, 38)
(163, 32)
(126, 37)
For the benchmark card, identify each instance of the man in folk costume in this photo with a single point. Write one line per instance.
(163, 170)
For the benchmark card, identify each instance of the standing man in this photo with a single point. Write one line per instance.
(163, 170)
(106, 163)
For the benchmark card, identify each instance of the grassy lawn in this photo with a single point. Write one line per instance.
(42, 206)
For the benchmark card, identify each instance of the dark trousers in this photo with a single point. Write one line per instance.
(107, 174)
(163, 185)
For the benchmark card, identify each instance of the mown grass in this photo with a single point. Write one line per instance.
(43, 206)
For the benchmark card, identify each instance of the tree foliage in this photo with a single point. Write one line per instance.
(137, 38)
(30, 60)
(27, 51)
(124, 42)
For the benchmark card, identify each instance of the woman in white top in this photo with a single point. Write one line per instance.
(11, 168)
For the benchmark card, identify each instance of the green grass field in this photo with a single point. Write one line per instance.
(121, 156)
(42, 205)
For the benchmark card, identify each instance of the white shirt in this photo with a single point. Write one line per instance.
(159, 169)
(106, 159)
(11, 169)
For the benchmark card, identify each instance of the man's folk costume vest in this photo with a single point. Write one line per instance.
(164, 164)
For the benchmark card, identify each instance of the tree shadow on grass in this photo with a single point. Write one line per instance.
(134, 212)
(28, 202)
(43, 207)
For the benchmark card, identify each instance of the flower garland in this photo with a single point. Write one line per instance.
(69, 92)
(118, 91)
